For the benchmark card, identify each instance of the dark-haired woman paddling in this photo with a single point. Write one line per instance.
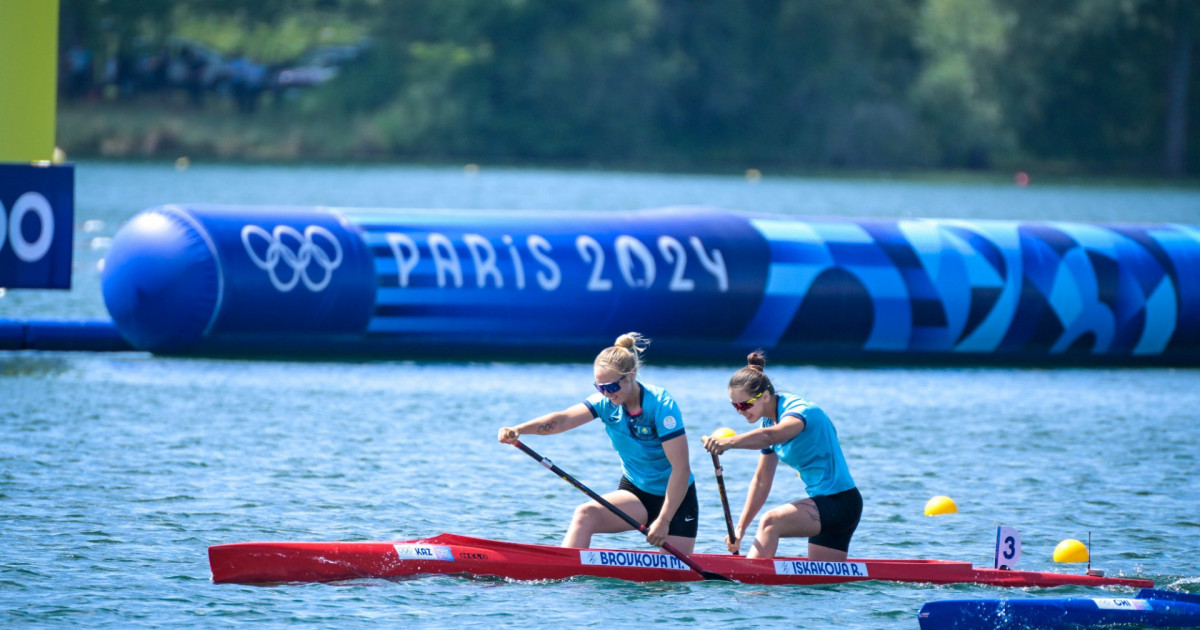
(799, 433)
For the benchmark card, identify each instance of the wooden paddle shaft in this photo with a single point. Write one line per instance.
(720, 472)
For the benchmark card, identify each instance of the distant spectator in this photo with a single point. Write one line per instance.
(152, 71)
(78, 70)
(196, 65)
(176, 69)
(247, 79)
(126, 78)
(118, 76)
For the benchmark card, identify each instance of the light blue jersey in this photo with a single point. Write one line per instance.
(638, 439)
(815, 451)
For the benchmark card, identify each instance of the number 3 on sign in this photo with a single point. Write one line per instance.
(1008, 547)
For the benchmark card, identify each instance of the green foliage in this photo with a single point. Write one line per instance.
(271, 42)
(965, 43)
(884, 84)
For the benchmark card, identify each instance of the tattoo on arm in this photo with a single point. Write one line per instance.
(547, 426)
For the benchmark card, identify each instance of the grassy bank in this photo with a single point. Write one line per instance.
(173, 129)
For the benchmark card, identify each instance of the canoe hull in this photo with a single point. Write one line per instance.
(265, 562)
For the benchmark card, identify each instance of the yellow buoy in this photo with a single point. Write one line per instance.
(940, 505)
(723, 432)
(1071, 550)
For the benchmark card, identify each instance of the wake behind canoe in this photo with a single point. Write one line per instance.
(265, 562)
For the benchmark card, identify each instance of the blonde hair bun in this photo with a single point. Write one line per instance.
(632, 341)
(624, 355)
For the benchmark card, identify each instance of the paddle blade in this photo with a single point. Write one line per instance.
(709, 575)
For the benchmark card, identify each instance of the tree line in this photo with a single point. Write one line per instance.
(1101, 86)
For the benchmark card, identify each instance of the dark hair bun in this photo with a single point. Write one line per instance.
(756, 360)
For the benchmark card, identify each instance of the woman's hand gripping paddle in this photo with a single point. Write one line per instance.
(683, 557)
(724, 432)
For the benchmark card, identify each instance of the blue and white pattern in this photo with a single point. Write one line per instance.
(704, 284)
(930, 286)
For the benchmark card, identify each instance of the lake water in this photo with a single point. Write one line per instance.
(117, 471)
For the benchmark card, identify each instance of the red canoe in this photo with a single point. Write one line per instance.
(257, 562)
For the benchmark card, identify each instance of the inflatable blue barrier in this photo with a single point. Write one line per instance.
(55, 334)
(705, 285)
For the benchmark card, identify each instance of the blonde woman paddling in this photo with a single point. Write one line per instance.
(646, 429)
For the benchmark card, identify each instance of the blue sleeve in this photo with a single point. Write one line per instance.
(670, 420)
(597, 404)
(790, 412)
(796, 414)
(797, 408)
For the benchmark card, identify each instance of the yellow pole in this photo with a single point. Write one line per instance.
(28, 79)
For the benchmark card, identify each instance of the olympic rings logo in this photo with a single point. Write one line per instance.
(306, 254)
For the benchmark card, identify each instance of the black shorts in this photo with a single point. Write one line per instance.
(686, 520)
(839, 518)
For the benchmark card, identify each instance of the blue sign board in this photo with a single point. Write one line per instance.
(37, 209)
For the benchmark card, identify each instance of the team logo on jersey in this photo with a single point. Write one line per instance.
(643, 429)
(669, 422)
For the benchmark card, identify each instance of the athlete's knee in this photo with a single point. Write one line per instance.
(586, 512)
(770, 521)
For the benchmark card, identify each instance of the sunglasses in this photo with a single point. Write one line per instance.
(609, 388)
(743, 406)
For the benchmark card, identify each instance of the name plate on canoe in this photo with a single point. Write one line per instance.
(424, 552)
(636, 559)
(809, 567)
(1123, 604)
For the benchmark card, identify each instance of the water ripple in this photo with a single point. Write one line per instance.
(143, 462)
